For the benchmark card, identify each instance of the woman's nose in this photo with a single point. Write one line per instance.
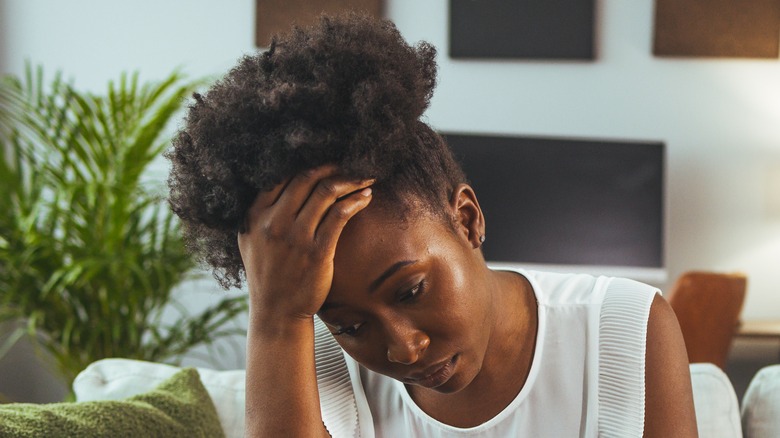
(406, 346)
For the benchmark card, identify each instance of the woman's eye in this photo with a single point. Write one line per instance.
(351, 330)
(413, 292)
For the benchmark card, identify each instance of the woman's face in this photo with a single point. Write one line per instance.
(409, 299)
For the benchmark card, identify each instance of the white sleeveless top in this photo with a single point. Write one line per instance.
(586, 377)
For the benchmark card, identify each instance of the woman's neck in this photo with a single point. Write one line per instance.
(507, 361)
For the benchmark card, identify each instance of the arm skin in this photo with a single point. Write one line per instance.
(281, 383)
(287, 250)
(669, 408)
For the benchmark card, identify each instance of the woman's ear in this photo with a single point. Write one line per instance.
(467, 215)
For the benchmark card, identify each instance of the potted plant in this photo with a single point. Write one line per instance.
(89, 251)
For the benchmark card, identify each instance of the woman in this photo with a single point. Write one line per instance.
(308, 171)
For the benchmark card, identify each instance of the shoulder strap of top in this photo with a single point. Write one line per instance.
(622, 340)
(337, 399)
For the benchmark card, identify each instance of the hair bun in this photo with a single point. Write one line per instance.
(358, 70)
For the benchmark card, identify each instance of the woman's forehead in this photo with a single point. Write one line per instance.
(370, 244)
(371, 235)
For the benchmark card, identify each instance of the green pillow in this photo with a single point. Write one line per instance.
(178, 407)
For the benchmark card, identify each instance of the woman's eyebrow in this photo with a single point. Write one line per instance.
(374, 284)
(388, 273)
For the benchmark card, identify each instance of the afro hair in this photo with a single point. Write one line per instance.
(348, 91)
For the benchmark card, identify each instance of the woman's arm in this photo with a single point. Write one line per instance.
(281, 383)
(287, 250)
(668, 395)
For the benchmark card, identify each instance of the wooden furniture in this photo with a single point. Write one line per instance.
(759, 329)
(708, 306)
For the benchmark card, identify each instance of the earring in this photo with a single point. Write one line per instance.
(481, 238)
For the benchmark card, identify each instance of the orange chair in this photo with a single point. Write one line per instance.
(708, 306)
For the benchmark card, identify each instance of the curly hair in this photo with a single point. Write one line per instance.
(348, 91)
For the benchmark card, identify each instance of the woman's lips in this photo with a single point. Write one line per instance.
(436, 377)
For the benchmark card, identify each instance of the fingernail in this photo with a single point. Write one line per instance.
(366, 192)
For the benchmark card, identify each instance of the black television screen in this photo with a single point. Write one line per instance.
(567, 202)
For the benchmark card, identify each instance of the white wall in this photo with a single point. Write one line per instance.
(720, 118)
(95, 40)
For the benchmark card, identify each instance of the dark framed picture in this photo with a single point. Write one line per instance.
(276, 16)
(529, 29)
(717, 28)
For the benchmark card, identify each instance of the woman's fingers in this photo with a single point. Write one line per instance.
(287, 197)
(291, 237)
(298, 190)
(264, 200)
(331, 226)
(313, 205)
(327, 194)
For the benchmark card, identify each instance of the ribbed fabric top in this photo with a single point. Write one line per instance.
(337, 398)
(622, 344)
(587, 376)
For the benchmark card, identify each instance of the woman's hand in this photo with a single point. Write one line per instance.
(288, 249)
(290, 240)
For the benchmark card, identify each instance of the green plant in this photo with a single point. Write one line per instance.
(89, 251)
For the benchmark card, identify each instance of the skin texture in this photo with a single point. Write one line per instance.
(405, 298)
(668, 393)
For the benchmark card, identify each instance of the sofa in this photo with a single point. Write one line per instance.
(717, 410)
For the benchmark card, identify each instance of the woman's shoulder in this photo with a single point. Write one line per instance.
(564, 289)
(555, 288)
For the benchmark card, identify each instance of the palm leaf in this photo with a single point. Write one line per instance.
(89, 253)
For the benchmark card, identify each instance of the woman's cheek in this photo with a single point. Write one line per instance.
(365, 352)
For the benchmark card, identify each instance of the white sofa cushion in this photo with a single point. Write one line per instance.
(113, 379)
(761, 404)
(717, 411)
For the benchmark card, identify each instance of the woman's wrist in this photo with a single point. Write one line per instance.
(269, 323)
